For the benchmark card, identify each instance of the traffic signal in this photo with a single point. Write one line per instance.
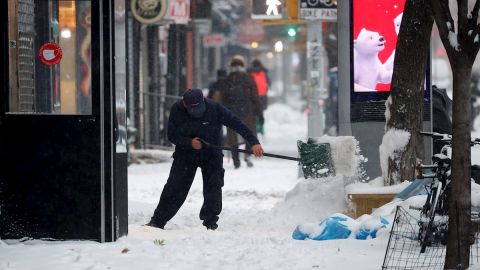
(291, 32)
(267, 9)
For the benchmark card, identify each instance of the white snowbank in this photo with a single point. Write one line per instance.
(393, 140)
(375, 187)
(312, 200)
(346, 155)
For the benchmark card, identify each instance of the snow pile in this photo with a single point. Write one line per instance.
(316, 199)
(312, 200)
(339, 226)
(376, 186)
(393, 141)
(346, 155)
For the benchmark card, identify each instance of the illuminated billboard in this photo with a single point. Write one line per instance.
(375, 25)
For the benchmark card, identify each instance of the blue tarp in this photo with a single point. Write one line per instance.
(333, 228)
(339, 226)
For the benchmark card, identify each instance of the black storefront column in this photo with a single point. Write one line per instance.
(60, 174)
(154, 87)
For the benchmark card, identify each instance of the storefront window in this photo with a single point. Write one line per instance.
(50, 56)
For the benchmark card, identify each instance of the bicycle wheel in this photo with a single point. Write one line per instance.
(426, 231)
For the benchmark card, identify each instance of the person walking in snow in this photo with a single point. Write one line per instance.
(241, 97)
(192, 120)
(218, 87)
(260, 76)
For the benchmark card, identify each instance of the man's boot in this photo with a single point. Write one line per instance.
(210, 225)
(155, 224)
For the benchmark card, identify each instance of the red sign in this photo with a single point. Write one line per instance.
(216, 40)
(50, 53)
(179, 11)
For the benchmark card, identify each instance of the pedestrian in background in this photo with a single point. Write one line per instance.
(192, 120)
(215, 90)
(260, 75)
(241, 97)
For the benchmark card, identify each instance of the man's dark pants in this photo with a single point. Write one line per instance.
(180, 180)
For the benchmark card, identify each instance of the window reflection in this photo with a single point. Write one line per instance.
(38, 84)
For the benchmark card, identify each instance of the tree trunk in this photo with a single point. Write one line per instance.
(458, 246)
(407, 90)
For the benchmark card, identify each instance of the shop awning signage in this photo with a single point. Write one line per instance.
(148, 11)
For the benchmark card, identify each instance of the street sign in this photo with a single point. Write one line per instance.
(179, 11)
(267, 9)
(324, 10)
(215, 40)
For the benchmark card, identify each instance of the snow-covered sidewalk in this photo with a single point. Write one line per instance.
(254, 231)
(261, 208)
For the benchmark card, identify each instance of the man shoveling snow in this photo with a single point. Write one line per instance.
(192, 120)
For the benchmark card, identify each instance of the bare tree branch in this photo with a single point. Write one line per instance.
(475, 28)
(448, 15)
(474, 13)
(445, 24)
(474, 39)
(463, 22)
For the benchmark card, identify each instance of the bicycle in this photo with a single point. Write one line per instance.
(433, 222)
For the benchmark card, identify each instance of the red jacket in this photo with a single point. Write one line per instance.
(260, 78)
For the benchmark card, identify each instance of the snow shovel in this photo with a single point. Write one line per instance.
(315, 159)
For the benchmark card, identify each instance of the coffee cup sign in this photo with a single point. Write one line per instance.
(50, 53)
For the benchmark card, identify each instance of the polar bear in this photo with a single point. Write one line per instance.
(368, 69)
(396, 23)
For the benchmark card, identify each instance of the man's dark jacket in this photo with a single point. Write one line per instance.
(182, 128)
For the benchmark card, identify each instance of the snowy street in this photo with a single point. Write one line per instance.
(252, 233)
(261, 208)
(109, 106)
(255, 226)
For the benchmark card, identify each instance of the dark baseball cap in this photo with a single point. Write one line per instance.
(194, 102)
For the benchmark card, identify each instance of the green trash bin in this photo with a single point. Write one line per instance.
(316, 159)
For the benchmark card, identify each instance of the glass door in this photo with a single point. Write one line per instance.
(57, 139)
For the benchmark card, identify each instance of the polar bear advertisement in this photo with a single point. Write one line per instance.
(375, 33)
(368, 69)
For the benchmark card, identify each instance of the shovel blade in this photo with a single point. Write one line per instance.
(316, 159)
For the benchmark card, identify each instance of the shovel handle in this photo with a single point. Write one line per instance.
(248, 152)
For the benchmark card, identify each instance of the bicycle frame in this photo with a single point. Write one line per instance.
(436, 203)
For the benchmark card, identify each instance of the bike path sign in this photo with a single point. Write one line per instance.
(324, 10)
